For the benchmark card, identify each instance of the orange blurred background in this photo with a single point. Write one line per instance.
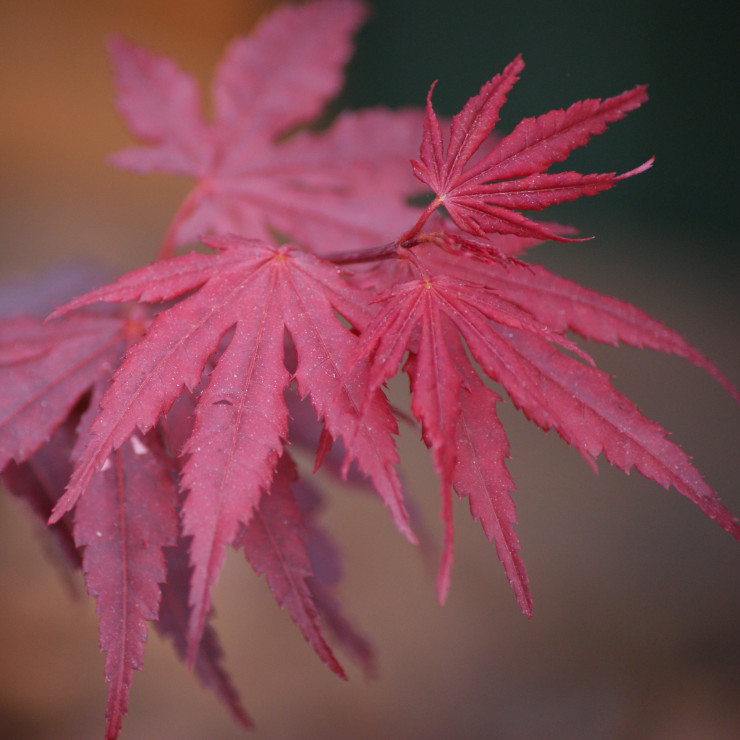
(636, 595)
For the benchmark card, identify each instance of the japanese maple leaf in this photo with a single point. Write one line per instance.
(253, 293)
(327, 573)
(39, 481)
(117, 539)
(122, 527)
(456, 302)
(484, 196)
(340, 189)
(425, 317)
(174, 616)
(273, 544)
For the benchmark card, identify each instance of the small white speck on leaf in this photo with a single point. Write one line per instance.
(138, 446)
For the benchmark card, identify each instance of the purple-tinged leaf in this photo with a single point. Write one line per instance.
(45, 369)
(174, 617)
(40, 481)
(274, 547)
(327, 573)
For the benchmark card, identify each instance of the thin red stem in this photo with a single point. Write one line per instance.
(414, 230)
(405, 241)
(372, 254)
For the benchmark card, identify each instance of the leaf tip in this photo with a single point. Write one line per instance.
(637, 170)
(443, 587)
(524, 599)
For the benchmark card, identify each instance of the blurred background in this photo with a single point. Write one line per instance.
(636, 595)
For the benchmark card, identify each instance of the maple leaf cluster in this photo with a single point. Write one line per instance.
(154, 432)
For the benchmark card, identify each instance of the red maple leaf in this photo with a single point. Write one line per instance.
(448, 302)
(273, 544)
(121, 528)
(486, 196)
(339, 189)
(253, 292)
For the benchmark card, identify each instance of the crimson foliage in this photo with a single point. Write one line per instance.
(171, 414)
